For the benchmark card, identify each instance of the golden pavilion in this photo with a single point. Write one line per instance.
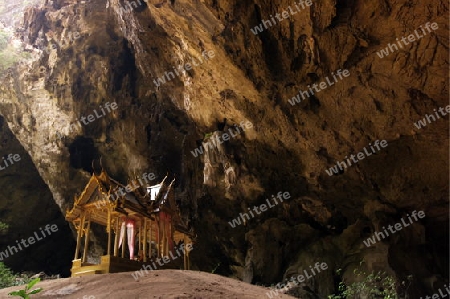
(146, 216)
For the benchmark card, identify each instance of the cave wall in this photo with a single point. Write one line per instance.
(121, 52)
(26, 205)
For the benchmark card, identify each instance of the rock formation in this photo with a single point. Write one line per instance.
(87, 53)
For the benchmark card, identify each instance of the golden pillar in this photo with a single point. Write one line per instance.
(108, 229)
(79, 233)
(86, 238)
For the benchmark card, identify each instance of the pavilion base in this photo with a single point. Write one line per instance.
(108, 264)
(113, 264)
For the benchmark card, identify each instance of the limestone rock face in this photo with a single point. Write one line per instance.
(182, 70)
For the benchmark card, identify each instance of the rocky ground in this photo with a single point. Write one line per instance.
(163, 284)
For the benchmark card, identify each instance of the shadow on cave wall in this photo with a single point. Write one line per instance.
(26, 205)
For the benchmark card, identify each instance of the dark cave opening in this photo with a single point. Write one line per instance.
(82, 153)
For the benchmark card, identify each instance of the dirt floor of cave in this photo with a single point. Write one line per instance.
(164, 284)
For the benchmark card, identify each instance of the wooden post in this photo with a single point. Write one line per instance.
(108, 228)
(116, 238)
(158, 237)
(172, 234)
(86, 239)
(124, 241)
(140, 244)
(145, 240)
(140, 237)
(161, 239)
(187, 253)
(184, 251)
(188, 260)
(79, 232)
(167, 242)
(150, 247)
(164, 237)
